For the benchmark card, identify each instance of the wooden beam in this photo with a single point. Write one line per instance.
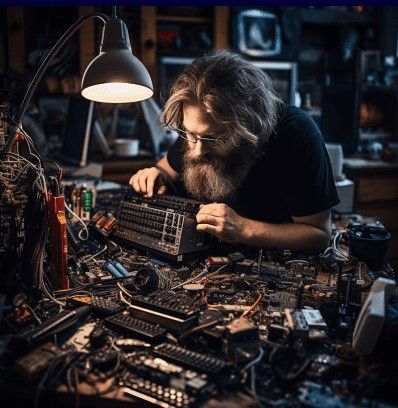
(221, 27)
(148, 44)
(16, 39)
(87, 48)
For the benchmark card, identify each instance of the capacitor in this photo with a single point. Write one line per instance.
(87, 200)
(120, 268)
(112, 270)
(109, 224)
(97, 216)
(101, 222)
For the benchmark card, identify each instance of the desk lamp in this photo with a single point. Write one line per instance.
(114, 76)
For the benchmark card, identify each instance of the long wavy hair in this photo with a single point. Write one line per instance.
(236, 94)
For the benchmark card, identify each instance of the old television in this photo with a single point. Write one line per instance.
(259, 33)
(283, 74)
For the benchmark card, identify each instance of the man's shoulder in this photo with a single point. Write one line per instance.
(295, 123)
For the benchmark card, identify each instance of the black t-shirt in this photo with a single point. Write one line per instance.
(293, 177)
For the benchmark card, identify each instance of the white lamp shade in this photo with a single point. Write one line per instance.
(116, 76)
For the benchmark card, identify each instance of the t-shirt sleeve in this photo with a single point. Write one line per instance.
(310, 183)
(174, 155)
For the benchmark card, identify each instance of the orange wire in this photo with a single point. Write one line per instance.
(255, 304)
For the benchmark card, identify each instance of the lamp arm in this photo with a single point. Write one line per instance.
(39, 74)
(55, 49)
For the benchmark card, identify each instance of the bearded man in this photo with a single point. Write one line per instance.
(260, 166)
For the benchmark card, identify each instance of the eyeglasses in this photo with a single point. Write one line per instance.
(193, 138)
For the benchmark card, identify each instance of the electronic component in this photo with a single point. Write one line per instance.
(21, 314)
(79, 338)
(104, 361)
(112, 270)
(175, 312)
(97, 337)
(147, 280)
(121, 269)
(236, 257)
(313, 318)
(36, 361)
(198, 361)
(129, 344)
(156, 394)
(83, 201)
(99, 304)
(215, 262)
(4, 108)
(168, 374)
(105, 306)
(55, 324)
(58, 242)
(102, 224)
(163, 224)
(317, 395)
(243, 340)
(136, 327)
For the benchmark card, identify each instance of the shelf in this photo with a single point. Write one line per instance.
(333, 16)
(183, 19)
(379, 88)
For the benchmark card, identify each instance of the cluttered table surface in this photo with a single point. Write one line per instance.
(148, 313)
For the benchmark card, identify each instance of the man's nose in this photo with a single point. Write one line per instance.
(199, 149)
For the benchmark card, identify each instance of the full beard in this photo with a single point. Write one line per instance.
(214, 178)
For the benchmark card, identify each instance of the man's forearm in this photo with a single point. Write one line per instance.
(290, 235)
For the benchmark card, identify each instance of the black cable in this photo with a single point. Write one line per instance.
(59, 171)
(199, 328)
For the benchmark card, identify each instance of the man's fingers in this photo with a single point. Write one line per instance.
(142, 182)
(207, 219)
(211, 229)
(134, 183)
(215, 209)
(150, 183)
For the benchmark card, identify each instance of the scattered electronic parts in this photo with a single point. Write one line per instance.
(188, 332)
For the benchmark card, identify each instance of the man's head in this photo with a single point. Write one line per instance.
(225, 108)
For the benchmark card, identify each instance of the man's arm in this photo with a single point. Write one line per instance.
(154, 179)
(310, 233)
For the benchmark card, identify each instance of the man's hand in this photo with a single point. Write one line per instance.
(148, 181)
(221, 221)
